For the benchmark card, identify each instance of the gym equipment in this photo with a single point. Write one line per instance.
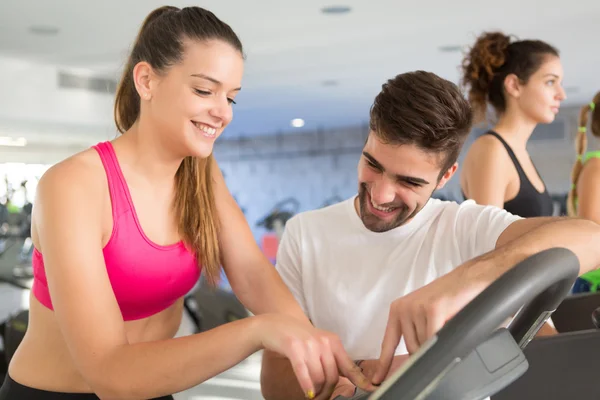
(19, 232)
(16, 283)
(3, 214)
(574, 312)
(563, 366)
(280, 213)
(560, 203)
(470, 358)
(23, 268)
(12, 330)
(210, 307)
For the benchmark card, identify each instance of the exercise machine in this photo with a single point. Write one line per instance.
(275, 222)
(209, 307)
(566, 365)
(574, 312)
(12, 329)
(21, 258)
(281, 212)
(470, 358)
(15, 229)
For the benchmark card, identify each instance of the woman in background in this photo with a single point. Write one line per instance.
(584, 195)
(521, 80)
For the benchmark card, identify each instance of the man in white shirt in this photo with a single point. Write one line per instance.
(385, 269)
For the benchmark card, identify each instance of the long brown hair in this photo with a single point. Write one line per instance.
(160, 43)
(581, 147)
(491, 59)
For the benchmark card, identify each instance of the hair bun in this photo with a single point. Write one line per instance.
(487, 55)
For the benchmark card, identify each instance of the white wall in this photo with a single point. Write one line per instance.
(314, 166)
(33, 106)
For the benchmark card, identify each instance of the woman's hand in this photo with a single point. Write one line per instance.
(317, 357)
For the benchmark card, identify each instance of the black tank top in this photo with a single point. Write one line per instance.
(528, 202)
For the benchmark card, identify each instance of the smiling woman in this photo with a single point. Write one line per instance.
(122, 232)
(205, 81)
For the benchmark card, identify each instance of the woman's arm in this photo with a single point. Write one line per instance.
(588, 191)
(259, 287)
(67, 216)
(253, 278)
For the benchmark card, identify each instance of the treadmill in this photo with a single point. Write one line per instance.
(471, 358)
(563, 366)
(574, 312)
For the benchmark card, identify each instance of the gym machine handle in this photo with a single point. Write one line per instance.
(14, 283)
(540, 283)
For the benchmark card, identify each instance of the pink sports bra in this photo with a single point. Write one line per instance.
(146, 277)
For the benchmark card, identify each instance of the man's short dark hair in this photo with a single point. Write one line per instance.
(422, 109)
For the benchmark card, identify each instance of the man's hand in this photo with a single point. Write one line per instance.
(343, 388)
(369, 367)
(421, 314)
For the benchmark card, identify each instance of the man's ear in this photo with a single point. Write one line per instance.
(447, 175)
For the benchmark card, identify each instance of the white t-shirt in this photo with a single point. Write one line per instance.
(345, 276)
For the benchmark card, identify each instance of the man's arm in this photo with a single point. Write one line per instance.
(442, 299)
(536, 235)
(523, 226)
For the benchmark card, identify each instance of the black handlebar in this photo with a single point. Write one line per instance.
(537, 285)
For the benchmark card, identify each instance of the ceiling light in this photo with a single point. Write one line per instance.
(13, 142)
(44, 30)
(297, 123)
(335, 10)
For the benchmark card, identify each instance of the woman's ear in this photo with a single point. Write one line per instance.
(512, 86)
(142, 78)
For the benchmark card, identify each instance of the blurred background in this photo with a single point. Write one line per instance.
(313, 69)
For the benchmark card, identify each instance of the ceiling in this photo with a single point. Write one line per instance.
(301, 63)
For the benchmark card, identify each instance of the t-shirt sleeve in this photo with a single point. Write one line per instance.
(478, 228)
(289, 262)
